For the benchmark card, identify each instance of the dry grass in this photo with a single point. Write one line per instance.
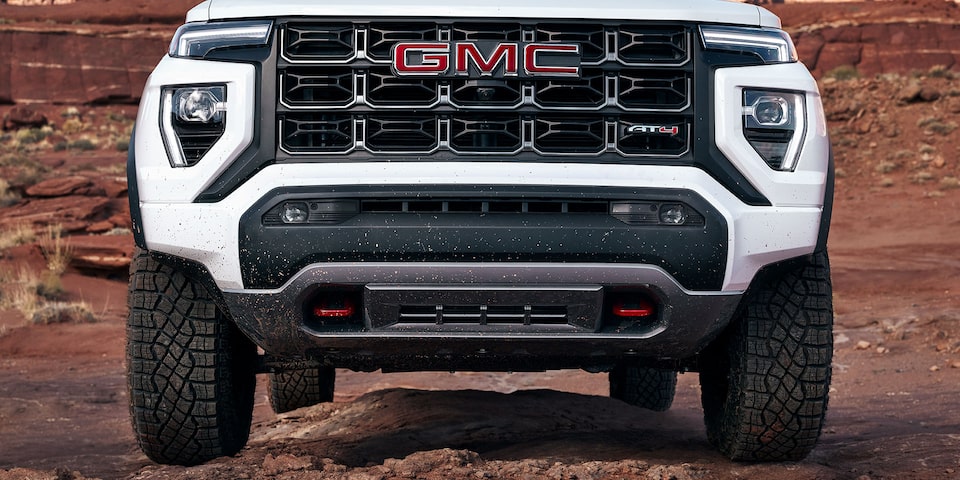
(58, 253)
(843, 72)
(19, 291)
(57, 250)
(886, 166)
(16, 235)
(61, 312)
(7, 197)
(921, 177)
(23, 290)
(26, 290)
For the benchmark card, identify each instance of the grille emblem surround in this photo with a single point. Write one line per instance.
(486, 59)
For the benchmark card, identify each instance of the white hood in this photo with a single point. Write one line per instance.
(706, 11)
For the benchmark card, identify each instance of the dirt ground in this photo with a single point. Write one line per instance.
(894, 413)
(895, 400)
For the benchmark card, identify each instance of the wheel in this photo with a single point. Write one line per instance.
(650, 388)
(291, 389)
(766, 380)
(191, 373)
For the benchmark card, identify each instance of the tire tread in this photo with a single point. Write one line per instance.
(765, 383)
(190, 373)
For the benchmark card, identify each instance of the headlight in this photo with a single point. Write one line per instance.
(192, 119)
(774, 124)
(196, 40)
(771, 45)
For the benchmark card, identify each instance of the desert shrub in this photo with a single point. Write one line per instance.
(29, 176)
(903, 155)
(886, 166)
(949, 183)
(940, 71)
(82, 144)
(60, 312)
(942, 128)
(936, 125)
(843, 72)
(118, 117)
(7, 197)
(922, 176)
(926, 149)
(119, 169)
(73, 125)
(29, 136)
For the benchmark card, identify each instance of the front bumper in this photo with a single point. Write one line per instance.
(280, 322)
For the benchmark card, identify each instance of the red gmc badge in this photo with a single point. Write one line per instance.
(486, 59)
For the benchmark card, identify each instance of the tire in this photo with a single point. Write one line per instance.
(302, 387)
(645, 387)
(765, 381)
(191, 373)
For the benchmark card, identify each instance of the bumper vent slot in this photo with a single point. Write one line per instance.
(483, 314)
(435, 308)
(437, 206)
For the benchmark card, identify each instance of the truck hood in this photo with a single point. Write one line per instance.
(704, 11)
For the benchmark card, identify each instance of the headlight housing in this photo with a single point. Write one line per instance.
(769, 44)
(774, 122)
(196, 40)
(192, 118)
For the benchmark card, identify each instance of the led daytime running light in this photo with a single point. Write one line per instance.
(197, 40)
(771, 45)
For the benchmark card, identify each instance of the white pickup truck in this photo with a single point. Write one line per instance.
(633, 188)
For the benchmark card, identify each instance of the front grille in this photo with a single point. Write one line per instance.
(338, 94)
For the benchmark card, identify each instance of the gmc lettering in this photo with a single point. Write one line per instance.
(467, 58)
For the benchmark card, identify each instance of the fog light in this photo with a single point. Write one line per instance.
(635, 213)
(673, 214)
(294, 212)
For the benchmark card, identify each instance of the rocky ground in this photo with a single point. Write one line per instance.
(895, 402)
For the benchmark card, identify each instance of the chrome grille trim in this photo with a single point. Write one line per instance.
(613, 89)
(609, 143)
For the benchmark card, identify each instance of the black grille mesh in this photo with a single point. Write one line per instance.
(339, 95)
